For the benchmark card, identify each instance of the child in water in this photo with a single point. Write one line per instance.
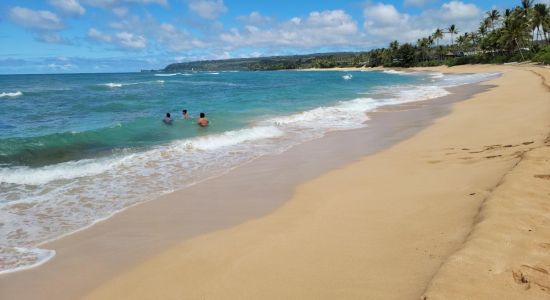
(203, 121)
(167, 119)
(184, 114)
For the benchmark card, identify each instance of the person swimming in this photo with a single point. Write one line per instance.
(203, 120)
(184, 114)
(167, 119)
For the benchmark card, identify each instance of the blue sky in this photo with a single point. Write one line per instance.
(64, 36)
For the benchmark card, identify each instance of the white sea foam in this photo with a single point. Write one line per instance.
(230, 138)
(25, 258)
(213, 73)
(119, 84)
(347, 77)
(398, 72)
(12, 94)
(112, 85)
(462, 79)
(62, 171)
(436, 75)
(167, 74)
(90, 167)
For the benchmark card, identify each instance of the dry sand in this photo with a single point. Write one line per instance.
(459, 211)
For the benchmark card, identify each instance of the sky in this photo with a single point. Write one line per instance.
(73, 36)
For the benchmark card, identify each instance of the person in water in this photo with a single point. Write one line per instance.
(167, 119)
(203, 121)
(184, 114)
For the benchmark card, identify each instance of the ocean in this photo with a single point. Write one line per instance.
(77, 148)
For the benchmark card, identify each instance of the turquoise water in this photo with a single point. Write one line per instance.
(77, 148)
(67, 117)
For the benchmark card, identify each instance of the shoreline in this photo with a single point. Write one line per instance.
(280, 218)
(382, 131)
(333, 239)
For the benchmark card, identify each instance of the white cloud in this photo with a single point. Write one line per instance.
(35, 19)
(98, 35)
(457, 10)
(208, 9)
(51, 38)
(327, 28)
(69, 7)
(122, 39)
(384, 23)
(383, 14)
(177, 39)
(130, 40)
(417, 2)
(61, 67)
(254, 18)
(113, 3)
(120, 11)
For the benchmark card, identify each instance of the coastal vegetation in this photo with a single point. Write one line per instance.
(517, 34)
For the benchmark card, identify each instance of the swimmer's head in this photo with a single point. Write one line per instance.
(202, 115)
(168, 115)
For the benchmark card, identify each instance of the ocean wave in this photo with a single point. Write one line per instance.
(167, 75)
(213, 73)
(62, 171)
(90, 167)
(121, 84)
(111, 85)
(347, 77)
(12, 94)
(398, 72)
(230, 138)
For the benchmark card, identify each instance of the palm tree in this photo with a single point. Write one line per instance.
(507, 13)
(452, 30)
(526, 5)
(493, 16)
(515, 32)
(482, 29)
(541, 14)
(437, 35)
(394, 47)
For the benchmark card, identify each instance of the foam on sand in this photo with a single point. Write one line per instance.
(25, 258)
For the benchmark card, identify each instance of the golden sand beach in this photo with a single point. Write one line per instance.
(459, 211)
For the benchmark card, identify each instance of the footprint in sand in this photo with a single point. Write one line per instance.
(527, 275)
(542, 176)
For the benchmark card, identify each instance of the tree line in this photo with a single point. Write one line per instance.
(518, 34)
